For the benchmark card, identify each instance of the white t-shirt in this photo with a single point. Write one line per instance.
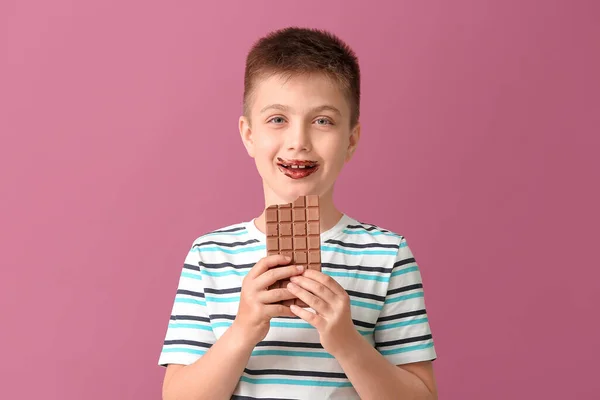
(375, 266)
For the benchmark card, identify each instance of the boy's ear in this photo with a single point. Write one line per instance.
(246, 133)
(353, 143)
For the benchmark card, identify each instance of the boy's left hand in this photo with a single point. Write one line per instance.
(331, 303)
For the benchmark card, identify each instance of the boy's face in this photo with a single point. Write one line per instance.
(298, 121)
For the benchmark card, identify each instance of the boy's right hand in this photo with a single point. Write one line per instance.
(257, 302)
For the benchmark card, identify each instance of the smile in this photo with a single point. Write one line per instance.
(297, 169)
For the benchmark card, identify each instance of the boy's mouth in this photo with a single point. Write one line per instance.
(297, 169)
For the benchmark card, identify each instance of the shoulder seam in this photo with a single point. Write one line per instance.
(224, 231)
(371, 227)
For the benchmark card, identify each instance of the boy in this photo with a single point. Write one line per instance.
(365, 333)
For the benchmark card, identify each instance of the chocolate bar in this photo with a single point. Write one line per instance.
(293, 230)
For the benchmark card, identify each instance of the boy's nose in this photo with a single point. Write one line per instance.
(299, 138)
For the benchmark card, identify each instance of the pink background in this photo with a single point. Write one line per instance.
(119, 147)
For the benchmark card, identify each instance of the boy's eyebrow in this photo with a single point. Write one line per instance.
(326, 108)
(281, 107)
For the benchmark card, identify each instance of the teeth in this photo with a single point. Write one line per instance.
(296, 166)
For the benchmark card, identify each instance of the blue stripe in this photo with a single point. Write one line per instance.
(329, 271)
(353, 302)
(223, 299)
(405, 271)
(399, 324)
(365, 305)
(360, 252)
(373, 233)
(297, 353)
(180, 325)
(405, 297)
(222, 324)
(227, 272)
(358, 276)
(312, 354)
(227, 324)
(191, 275)
(295, 382)
(189, 301)
(183, 350)
(303, 325)
(406, 349)
(229, 251)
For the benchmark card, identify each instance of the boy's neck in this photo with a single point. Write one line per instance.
(329, 214)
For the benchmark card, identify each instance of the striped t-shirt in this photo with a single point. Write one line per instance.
(375, 266)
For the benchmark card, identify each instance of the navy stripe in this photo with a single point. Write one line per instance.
(222, 316)
(405, 289)
(365, 295)
(289, 344)
(234, 244)
(228, 230)
(289, 372)
(362, 245)
(403, 341)
(402, 315)
(404, 262)
(232, 317)
(370, 228)
(192, 267)
(223, 291)
(236, 397)
(350, 293)
(317, 345)
(188, 342)
(190, 293)
(189, 318)
(363, 324)
(357, 268)
(225, 265)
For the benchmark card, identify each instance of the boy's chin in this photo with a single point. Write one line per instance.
(289, 196)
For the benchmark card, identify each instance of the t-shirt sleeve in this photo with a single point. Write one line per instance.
(189, 334)
(402, 332)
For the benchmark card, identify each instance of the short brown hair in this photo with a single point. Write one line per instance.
(295, 51)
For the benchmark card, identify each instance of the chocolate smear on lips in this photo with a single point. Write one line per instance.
(297, 173)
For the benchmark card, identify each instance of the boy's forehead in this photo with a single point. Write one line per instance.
(298, 92)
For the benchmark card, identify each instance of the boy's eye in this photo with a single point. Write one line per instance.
(323, 121)
(276, 120)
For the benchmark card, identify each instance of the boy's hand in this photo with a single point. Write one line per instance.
(333, 319)
(256, 302)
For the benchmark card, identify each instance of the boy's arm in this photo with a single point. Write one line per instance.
(374, 377)
(372, 374)
(194, 373)
(215, 375)
(399, 364)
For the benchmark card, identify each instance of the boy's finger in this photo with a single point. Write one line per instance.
(315, 287)
(278, 310)
(275, 296)
(276, 274)
(326, 281)
(268, 262)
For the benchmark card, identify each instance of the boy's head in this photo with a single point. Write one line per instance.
(301, 109)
